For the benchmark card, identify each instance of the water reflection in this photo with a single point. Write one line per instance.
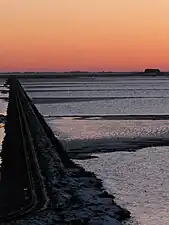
(2, 134)
(97, 93)
(138, 180)
(139, 106)
(93, 129)
(3, 109)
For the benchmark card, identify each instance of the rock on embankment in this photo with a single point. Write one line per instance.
(76, 197)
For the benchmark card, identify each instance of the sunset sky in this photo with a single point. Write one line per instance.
(93, 35)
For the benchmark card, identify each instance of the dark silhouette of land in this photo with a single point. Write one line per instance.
(146, 72)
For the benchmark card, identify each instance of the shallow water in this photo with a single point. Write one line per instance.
(139, 88)
(138, 180)
(2, 134)
(92, 129)
(3, 109)
(111, 107)
(100, 93)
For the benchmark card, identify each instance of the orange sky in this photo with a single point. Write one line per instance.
(62, 35)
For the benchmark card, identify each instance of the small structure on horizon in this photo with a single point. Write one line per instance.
(152, 71)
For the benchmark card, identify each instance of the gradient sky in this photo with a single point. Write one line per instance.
(62, 35)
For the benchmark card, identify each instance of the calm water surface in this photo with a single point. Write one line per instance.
(139, 180)
(3, 109)
(110, 107)
(157, 91)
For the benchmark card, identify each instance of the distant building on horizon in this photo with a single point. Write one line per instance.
(152, 71)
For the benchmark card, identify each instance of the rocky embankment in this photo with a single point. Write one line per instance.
(76, 197)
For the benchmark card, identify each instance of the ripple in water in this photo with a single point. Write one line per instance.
(139, 181)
